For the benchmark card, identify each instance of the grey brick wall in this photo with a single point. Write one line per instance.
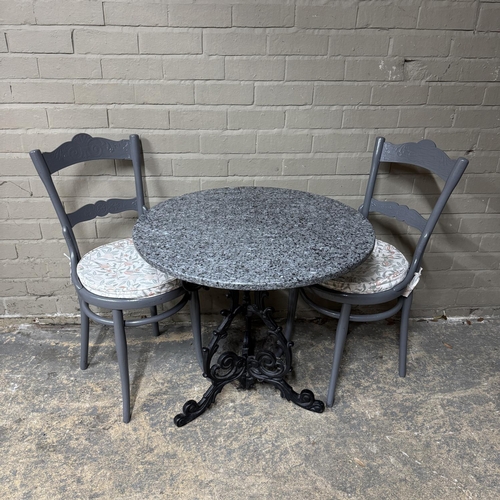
(223, 93)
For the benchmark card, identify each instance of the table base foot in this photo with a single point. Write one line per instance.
(263, 366)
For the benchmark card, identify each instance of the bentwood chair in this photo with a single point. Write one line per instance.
(386, 276)
(112, 276)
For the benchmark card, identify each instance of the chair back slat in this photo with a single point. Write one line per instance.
(84, 147)
(422, 154)
(100, 209)
(399, 212)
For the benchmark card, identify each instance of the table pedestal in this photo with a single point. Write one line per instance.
(266, 365)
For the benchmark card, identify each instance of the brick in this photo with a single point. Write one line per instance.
(450, 243)
(255, 119)
(213, 183)
(8, 251)
(477, 118)
(164, 93)
(129, 14)
(234, 43)
(21, 230)
(478, 297)
(42, 250)
(476, 45)
(488, 17)
(358, 163)
(453, 139)
(298, 44)
(492, 96)
(370, 118)
(479, 70)
(203, 16)
(104, 93)
(30, 209)
(448, 279)
(399, 94)
(475, 261)
(432, 70)
(14, 288)
(288, 183)
(23, 118)
(68, 12)
(109, 41)
(20, 12)
(338, 16)
(43, 91)
(313, 118)
(341, 94)
(340, 142)
(4, 211)
(224, 93)
(389, 69)
(27, 306)
(315, 69)
(423, 44)
(366, 43)
(40, 41)
(488, 141)
(145, 117)
(193, 68)
(284, 94)
(309, 166)
(12, 142)
(200, 167)
(254, 166)
(5, 92)
(482, 163)
(171, 42)
(132, 68)
(3, 43)
(453, 94)
(69, 67)
(171, 143)
(263, 16)
(447, 15)
(202, 119)
(482, 184)
(384, 15)
(490, 243)
(157, 165)
(425, 117)
(335, 186)
(474, 224)
(167, 188)
(227, 143)
(245, 68)
(107, 228)
(46, 287)
(18, 67)
(77, 117)
(284, 143)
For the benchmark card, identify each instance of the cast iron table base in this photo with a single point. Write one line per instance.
(251, 367)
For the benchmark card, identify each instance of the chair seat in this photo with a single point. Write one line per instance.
(117, 270)
(384, 269)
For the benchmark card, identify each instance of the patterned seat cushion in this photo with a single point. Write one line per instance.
(117, 270)
(384, 269)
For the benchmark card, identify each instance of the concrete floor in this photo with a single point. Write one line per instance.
(432, 435)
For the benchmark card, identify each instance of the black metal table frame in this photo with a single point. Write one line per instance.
(269, 366)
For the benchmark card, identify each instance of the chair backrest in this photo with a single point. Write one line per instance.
(85, 148)
(424, 154)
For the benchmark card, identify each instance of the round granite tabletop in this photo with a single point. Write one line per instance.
(253, 238)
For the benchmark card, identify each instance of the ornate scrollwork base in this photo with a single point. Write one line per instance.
(266, 365)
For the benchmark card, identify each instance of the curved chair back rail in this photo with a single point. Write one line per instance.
(85, 148)
(423, 154)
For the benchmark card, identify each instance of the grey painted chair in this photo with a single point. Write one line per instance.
(386, 276)
(112, 276)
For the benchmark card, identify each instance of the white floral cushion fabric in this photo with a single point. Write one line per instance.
(384, 268)
(117, 270)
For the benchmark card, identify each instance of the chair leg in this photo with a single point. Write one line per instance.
(84, 339)
(340, 337)
(194, 310)
(156, 326)
(403, 334)
(121, 351)
(293, 296)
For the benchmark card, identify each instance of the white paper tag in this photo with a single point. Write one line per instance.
(413, 283)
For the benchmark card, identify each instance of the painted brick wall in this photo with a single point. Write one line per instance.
(288, 94)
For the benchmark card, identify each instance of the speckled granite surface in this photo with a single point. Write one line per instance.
(253, 238)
